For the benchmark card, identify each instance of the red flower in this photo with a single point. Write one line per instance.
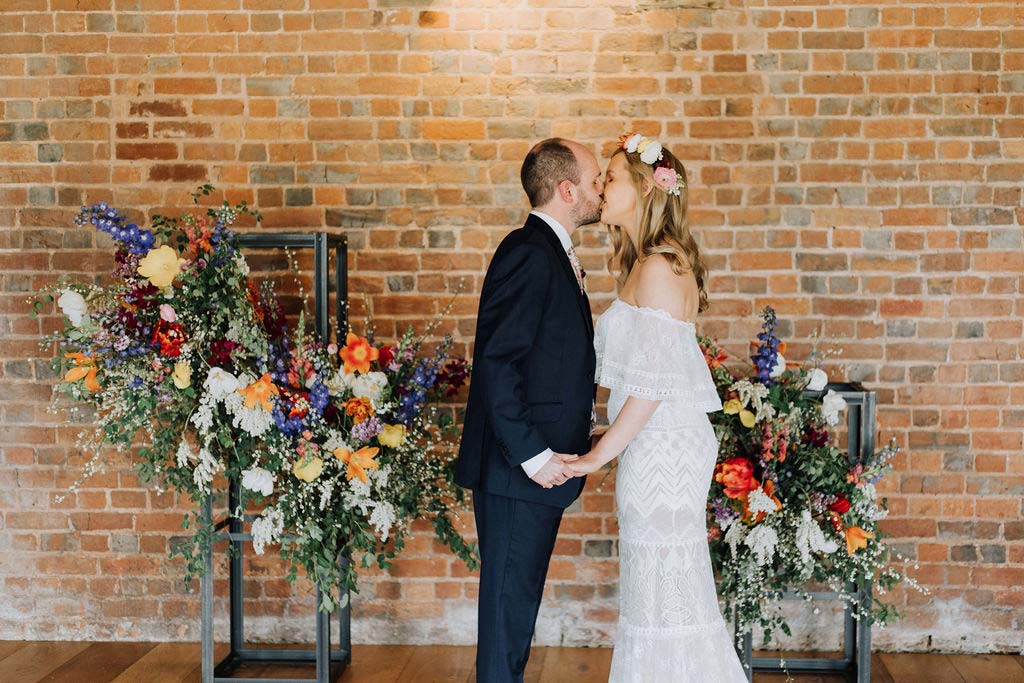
(842, 504)
(386, 354)
(169, 337)
(737, 476)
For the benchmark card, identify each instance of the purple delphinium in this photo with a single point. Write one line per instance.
(767, 353)
(106, 218)
(723, 512)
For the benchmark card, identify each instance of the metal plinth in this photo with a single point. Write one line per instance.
(329, 663)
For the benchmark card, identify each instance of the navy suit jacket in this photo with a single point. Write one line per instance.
(532, 385)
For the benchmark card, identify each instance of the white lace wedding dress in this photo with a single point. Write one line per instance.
(670, 628)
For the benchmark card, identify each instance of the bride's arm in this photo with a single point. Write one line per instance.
(628, 423)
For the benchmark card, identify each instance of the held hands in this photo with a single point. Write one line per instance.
(556, 471)
(586, 464)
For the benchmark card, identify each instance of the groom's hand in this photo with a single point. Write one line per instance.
(555, 471)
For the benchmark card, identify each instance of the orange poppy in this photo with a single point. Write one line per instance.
(359, 408)
(737, 476)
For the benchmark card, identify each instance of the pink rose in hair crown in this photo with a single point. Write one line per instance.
(665, 178)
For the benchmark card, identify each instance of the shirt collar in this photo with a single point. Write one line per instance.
(557, 228)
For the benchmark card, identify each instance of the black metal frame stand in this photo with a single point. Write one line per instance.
(329, 663)
(856, 661)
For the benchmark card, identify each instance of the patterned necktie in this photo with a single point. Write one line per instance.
(578, 269)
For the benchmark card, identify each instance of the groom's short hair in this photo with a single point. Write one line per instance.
(549, 162)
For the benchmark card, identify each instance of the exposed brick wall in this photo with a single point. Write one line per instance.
(856, 166)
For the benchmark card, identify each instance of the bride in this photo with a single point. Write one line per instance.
(670, 627)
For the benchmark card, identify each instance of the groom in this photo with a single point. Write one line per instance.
(530, 407)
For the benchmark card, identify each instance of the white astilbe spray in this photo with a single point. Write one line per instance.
(206, 469)
(383, 518)
(734, 535)
(811, 539)
(758, 501)
(762, 540)
(252, 421)
(753, 394)
(184, 454)
(267, 529)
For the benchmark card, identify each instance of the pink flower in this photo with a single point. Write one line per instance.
(665, 177)
(167, 313)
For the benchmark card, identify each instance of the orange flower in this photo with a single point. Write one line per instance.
(856, 538)
(358, 354)
(260, 392)
(85, 368)
(737, 476)
(359, 408)
(358, 462)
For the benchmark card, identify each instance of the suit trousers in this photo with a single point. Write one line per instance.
(516, 539)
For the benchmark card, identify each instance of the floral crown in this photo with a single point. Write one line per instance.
(650, 152)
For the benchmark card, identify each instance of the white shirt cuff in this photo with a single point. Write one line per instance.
(533, 465)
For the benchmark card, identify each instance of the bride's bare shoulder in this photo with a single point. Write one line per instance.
(659, 286)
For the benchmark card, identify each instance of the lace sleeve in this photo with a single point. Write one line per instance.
(646, 353)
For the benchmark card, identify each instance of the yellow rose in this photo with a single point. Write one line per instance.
(747, 418)
(182, 374)
(161, 266)
(732, 406)
(308, 469)
(392, 435)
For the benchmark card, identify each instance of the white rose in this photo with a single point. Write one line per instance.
(73, 305)
(831, 405)
(370, 386)
(633, 142)
(220, 383)
(259, 480)
(817, 379)
(339, 382)
(652, 153)
(780, 366)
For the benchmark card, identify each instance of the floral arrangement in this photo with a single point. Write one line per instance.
(652, 153)
(786, 506)
(186, 360)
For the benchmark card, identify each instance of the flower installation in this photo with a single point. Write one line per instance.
(192, 367)
(786, 506)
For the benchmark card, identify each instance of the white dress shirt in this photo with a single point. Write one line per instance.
(533, 465)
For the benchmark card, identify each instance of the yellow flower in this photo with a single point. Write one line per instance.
(182, 374)
(732, 406)
(747, 418)
(308, 469)
(358, 462)
(392, 435)
(856, 538)
(161, 266)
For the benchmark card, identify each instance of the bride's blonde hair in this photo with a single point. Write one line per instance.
(662, 225)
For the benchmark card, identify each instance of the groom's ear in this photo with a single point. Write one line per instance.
(567, 191)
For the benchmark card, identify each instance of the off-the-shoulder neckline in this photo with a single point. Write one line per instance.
(660, 312)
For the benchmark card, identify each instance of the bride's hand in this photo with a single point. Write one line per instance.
(585, 465)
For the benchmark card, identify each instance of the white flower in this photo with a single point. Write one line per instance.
(779, 367)
(241, 264)
(816, 379)
(758, 501)
(651, 153)
(259, 480)
(267, 529)
(73, 305)
(382, 518)
(253, 421)
(205, 470)
(184, 454)
(341, 381)
(762, 540)
(831, 405)
(811, 539)
(370, 386)
(734, 536)
(220, 383)
(334, 441)
(633, 142)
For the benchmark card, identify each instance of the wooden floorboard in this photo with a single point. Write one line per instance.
(84, 662)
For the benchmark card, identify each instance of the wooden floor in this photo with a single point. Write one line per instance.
(76, 662)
